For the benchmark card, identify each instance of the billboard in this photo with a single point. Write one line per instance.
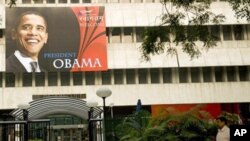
(56, 39)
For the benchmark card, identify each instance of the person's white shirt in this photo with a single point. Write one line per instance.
(25, 60)
(223, 134)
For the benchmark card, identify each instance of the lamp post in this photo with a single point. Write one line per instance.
(112, 117)
(24, 107)
(104, 93)
(91, 105)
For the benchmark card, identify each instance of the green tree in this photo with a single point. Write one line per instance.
(241, 8)
(191, 125)
(232, 118)
(173, 32)
(133, 127)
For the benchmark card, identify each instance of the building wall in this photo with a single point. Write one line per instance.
(123, 55)
(181, 88)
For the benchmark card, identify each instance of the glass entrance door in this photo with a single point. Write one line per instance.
(69, 134)
(68, 128)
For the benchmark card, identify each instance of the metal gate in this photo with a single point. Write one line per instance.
(34, 130)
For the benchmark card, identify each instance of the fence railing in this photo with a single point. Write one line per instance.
(37, 130)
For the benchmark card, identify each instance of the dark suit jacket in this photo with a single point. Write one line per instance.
(14, 65)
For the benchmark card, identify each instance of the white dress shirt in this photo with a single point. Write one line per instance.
(223, 134)
(25, 60)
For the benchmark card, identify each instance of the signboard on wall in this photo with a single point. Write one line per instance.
(74, 39)
(2, 16)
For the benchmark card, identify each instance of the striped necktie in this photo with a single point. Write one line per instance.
(34, 66)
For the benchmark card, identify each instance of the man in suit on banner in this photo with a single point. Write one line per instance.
(30, 35)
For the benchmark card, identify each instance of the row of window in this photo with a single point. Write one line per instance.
(134, 34)
(91, 1)
(128, 76)
(77, 96)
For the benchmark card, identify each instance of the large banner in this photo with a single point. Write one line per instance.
(56, 38)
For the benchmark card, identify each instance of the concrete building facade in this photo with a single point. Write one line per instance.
(220, 75)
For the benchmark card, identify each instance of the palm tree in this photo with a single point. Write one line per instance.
(134, 127)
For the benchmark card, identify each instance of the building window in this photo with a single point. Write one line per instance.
(40, 79)
(207, 74)
(167, 75)
(51, 1)
(128, 34)
(118, 76)
(248, 31)
(116, 35)
(1, 33)
(155, 75)
(195, 75)
(26, 1)
(227, 32)
(27, 79)
(130, 76)
(77, 78)
(183, 75)
(74, 1)
(238, 32)
(10, 80)
(52, 78)
(106, 77)
(231, 74)
(218, 74)
(38, 1)
(142, 73)
(167, 36)
(62, 1)
(90, 78)
(1, 79)
(243, 73)
(139, 32)
(215, 32)
(86, 1)
(65, 78)
(203, 30)
(107, 35)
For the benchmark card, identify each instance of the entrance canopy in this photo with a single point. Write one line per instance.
(51, 105)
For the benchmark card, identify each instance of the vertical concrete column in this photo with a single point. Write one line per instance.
(136, 76)
(224, 74)
(175, 76)
(201, 75)
(58, 79)
(46, 79)
(160, 76)
(237, 76)
(213, 74)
